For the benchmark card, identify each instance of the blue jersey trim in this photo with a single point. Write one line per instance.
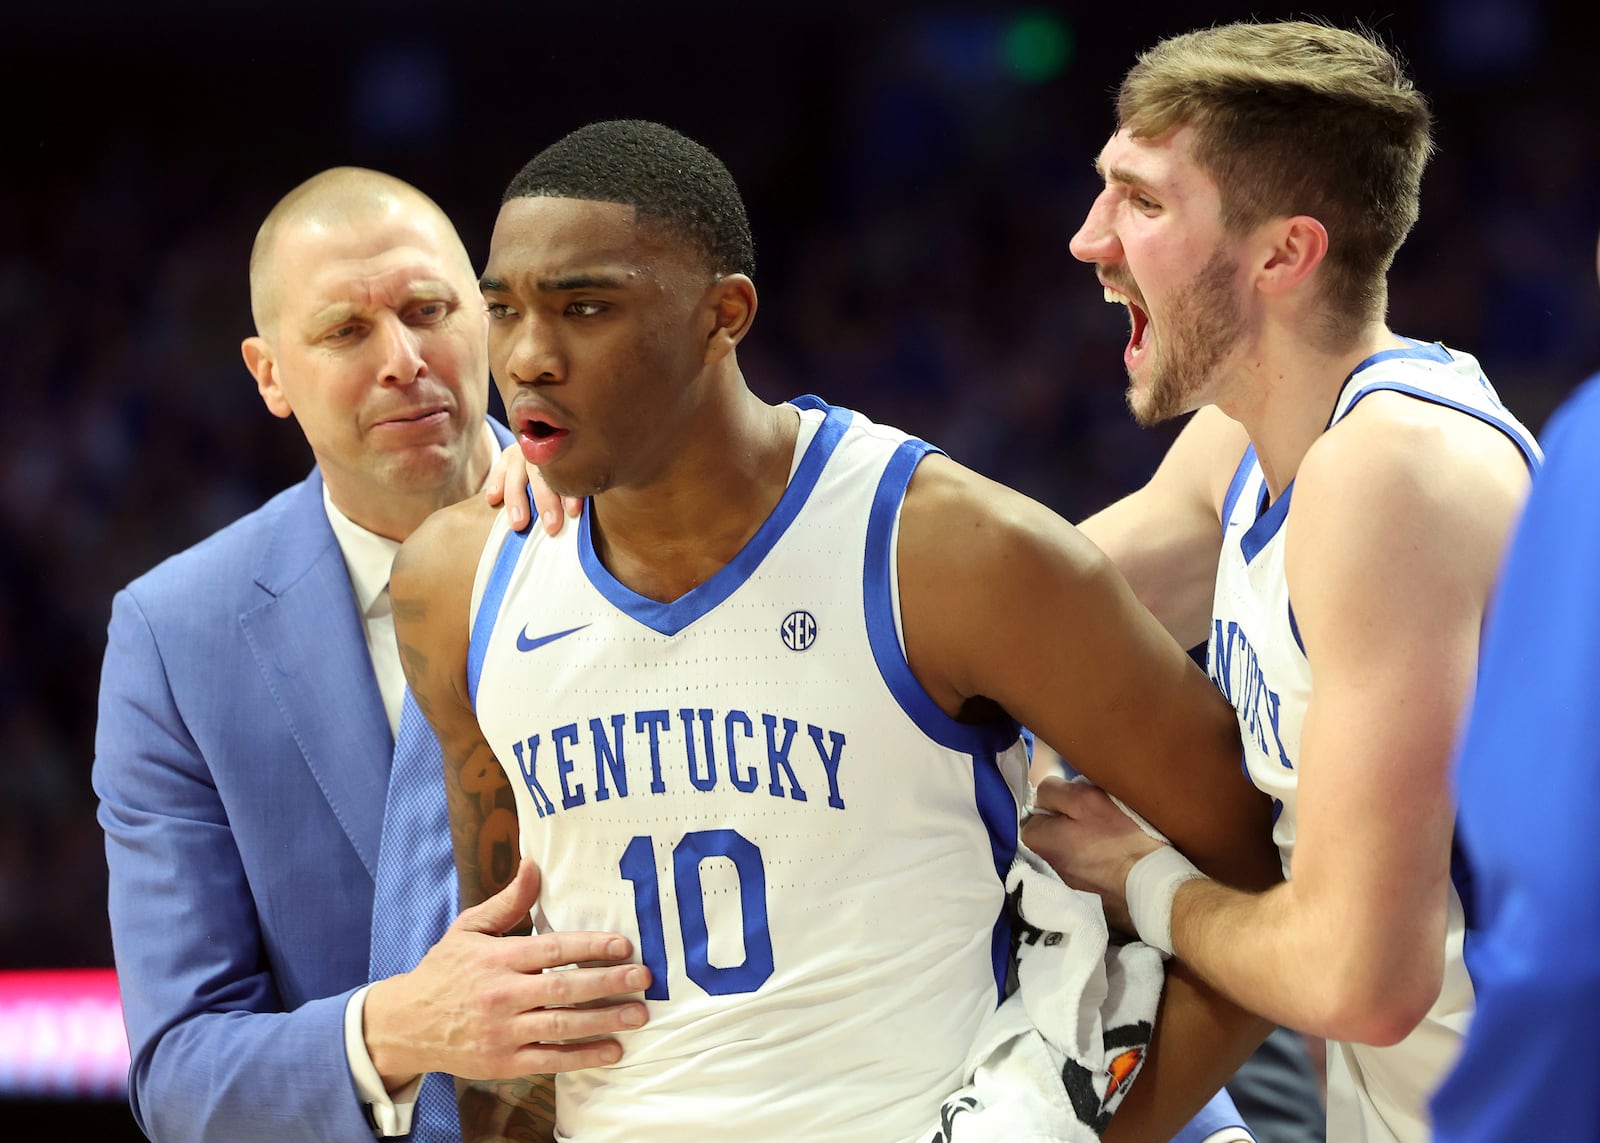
(1529, 453)
(984, 742)
(1236, 486)
(671, 618)
(494, 594)
(1294, 629)
(997, 808)
(877, 591)
(1266, 525)
(1415, 351)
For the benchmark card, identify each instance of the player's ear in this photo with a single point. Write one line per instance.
(731, 303)
(1291, 249)
(263, 366)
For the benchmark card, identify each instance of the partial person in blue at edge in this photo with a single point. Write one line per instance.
(249, 703)
(1528, 782)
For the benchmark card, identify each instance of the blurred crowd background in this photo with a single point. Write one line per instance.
(914, 173)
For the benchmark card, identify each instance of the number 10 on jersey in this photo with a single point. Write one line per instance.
(638, 865)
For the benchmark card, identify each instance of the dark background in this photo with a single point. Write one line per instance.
(913, 172)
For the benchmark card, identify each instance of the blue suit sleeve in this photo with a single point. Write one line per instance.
(214, 1054)
(1528, 777)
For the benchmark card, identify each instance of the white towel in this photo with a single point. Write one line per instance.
(1055, 1059)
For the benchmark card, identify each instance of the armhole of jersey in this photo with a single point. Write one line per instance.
(881, 596)
(1236, 485)
(993, 796)
(1530, 453)
(494, 594)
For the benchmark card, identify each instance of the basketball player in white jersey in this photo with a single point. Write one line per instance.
(777, 737)
(1331, 520)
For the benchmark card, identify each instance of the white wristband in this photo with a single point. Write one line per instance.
(1152, 884)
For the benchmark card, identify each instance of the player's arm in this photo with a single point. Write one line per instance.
(1396, 535)
(1065, 648)
(1199, 1040)
(1392, 547)
(1013, 606)
(551, 1021)
(1165, 538)
(431, 593)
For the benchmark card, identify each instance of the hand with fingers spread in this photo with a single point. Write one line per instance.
(485, 1006)
(517, 484)
(1089, 841)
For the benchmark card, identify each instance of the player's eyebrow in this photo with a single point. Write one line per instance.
(1120, 175)
(578, 280)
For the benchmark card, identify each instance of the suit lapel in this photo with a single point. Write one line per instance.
(309, 644)
(310, 647)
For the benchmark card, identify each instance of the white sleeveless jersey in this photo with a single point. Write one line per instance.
(1255, 655)
(750, 783)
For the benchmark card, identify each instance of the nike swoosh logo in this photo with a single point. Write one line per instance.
(526, 644)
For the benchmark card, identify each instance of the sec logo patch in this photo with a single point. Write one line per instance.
(799, 630)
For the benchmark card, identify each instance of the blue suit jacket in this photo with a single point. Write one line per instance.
(241, 760)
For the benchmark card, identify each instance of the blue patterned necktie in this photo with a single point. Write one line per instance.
(414, 898)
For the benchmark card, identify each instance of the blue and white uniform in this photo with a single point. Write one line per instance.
(749, 782)
(1528, 776)
(1256, 656)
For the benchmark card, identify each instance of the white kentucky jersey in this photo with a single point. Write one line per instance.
(1256, 656)
(749, 782)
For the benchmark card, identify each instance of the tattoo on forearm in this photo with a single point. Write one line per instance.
(483, 811)
(483, 817)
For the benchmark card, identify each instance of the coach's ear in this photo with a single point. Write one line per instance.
(731, 306)
(263, 366)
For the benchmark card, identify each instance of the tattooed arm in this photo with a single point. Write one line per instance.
(430, 590)
(485, 1011)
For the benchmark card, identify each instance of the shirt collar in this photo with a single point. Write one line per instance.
(368, 557)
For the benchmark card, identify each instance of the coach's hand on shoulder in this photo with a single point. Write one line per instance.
(516, 483)
(482, 1006)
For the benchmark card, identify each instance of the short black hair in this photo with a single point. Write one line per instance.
(660, 173)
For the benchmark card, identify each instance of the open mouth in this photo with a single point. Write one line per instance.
(540, 430)
(1138, 320)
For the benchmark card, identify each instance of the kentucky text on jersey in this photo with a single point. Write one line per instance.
(1246, 688)
(687, 749)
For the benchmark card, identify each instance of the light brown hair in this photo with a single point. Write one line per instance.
(1297, 118)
